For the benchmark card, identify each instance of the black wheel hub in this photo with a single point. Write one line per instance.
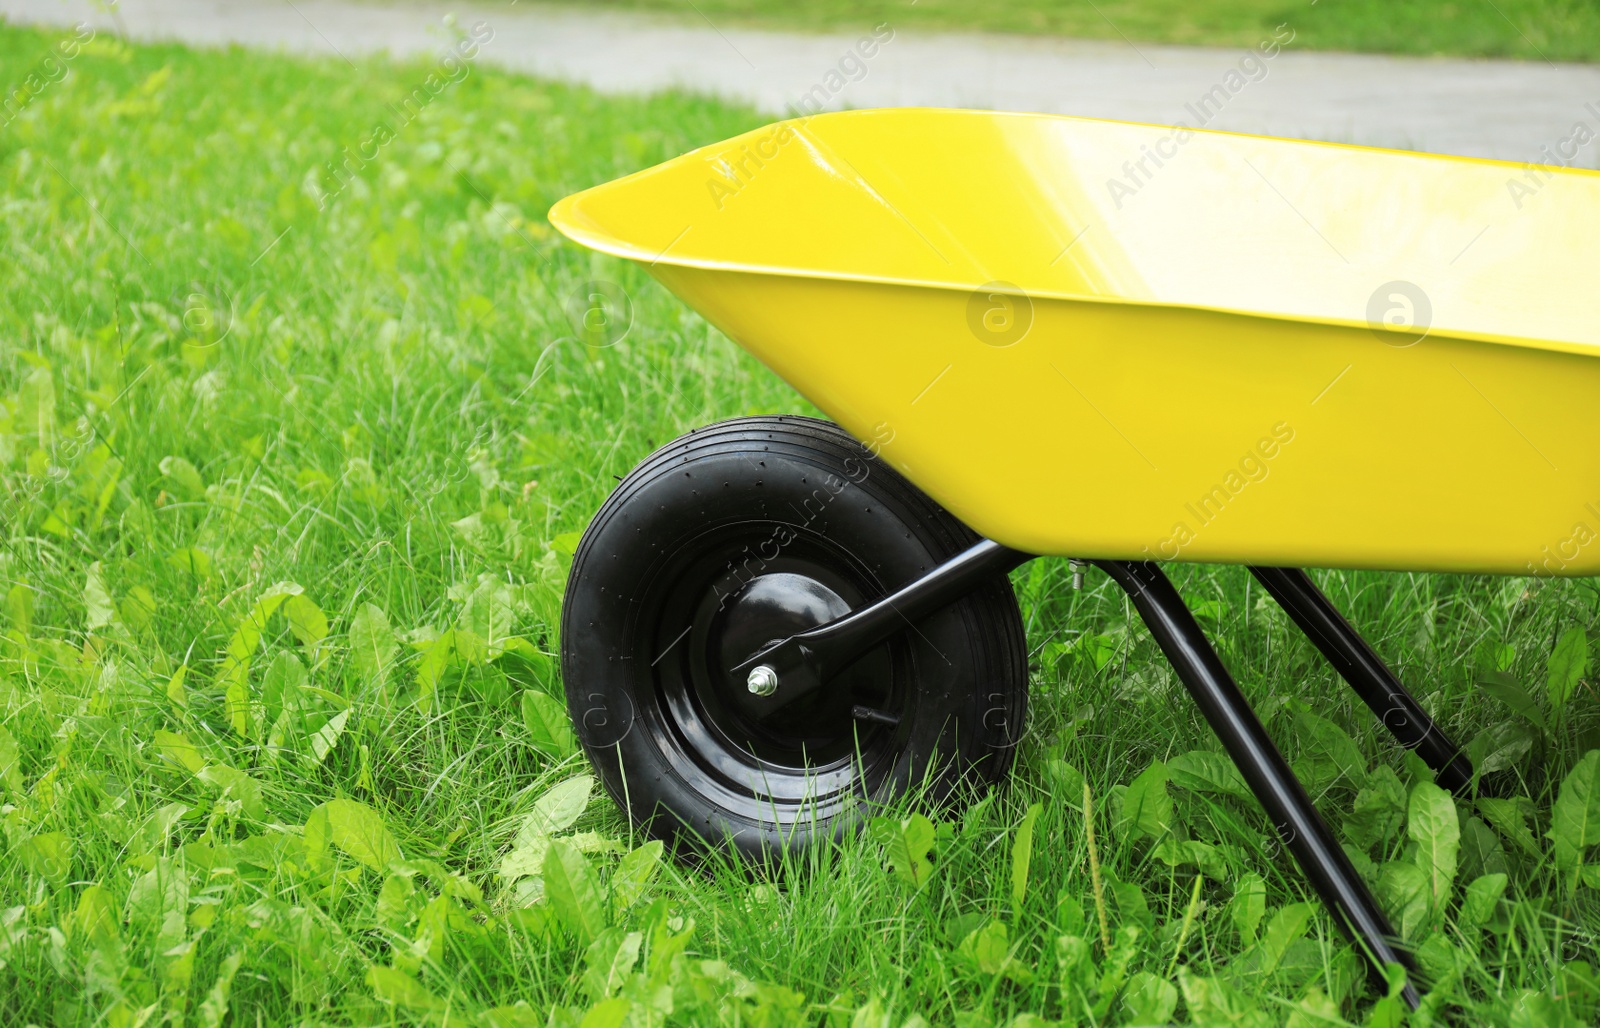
(743, 737)
(768, 610)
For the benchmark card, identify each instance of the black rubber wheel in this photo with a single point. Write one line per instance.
(738, 535)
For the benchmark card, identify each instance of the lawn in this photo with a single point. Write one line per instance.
(1541, 30)
(294, 461)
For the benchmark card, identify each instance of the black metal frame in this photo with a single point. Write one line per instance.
(1268, 774)
(1367, 674)
(803, 662)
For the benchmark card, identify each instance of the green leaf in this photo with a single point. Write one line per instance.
(193, 561)
(1327, 754)
(153, 834)
(1481, 851)
(1287, 927)
(235, 672)
(281, 684)
(215, 1006)
(19, 608)
(372, 644)
(306, 622)
(1379, 809)
(555, 811)
(179, 750)
(236, 697)
(609, 961)
(489, 614)
(95, 918)
(1575, 820)
(1021, 855)
(97, 598)
(10, 762)
(565, 546)
(182, 478)
(1249, 906)
(906, 845)
(391, 985)
(1149, 999)
(1510, 819)
(396, 903)
(1503, 687)
(1500, 746)
(326, 737)
(1316, 1009)
(1431, 823)
(1491, 656)
(162, 890)
(1478, 903)
(1567, 664)
(354, 828)
(987, 950)
(1095, 651)
(548, 725)
(235, 785)
(632, 876)
(1212, 1001)
(1533, 1009)
(1146, 806)
(138, 607)
(1175, 852)
(48, 855)
(1403, 889)
(176, 691)
(1067, 783)
(1207, 772)
(439, 655)
(573, 891)
(1132, 907)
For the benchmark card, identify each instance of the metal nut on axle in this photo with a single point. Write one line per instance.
(763, 680)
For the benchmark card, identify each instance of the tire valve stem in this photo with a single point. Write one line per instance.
(881, 717)
(762, 681)
(1077, 571)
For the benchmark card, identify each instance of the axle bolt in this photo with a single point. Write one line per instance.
(763, 680)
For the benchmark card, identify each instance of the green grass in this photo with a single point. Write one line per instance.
(226, 799)
(1563, 30)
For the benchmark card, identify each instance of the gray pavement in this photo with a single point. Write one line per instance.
(1502, 109)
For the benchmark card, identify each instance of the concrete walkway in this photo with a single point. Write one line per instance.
(1501, 109)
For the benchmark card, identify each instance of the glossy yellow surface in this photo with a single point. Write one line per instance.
(1111, 340)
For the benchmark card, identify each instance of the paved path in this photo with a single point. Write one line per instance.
(1499, 109)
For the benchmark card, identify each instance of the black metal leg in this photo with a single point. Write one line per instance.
(1368, 675)
(1263, 767)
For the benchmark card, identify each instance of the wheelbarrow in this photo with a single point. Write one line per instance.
(1123, 344)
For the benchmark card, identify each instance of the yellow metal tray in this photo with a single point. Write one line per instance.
(1099, 339)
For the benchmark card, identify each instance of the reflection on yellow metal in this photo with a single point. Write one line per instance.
(1111, 340)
